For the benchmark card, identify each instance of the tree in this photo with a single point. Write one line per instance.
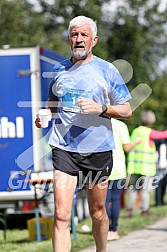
(19, 24)
(134, 31)
(137, 33)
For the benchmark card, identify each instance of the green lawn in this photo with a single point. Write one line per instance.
(18, 240)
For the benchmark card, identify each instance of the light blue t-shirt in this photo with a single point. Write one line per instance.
(98, 80)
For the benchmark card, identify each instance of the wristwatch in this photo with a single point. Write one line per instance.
(104, 109)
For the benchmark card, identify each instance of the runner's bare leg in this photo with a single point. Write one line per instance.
(100, 222)
(64, 188)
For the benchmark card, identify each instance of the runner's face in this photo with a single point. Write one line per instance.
(81, 41)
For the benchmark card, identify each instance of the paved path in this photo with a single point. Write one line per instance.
(151, 239)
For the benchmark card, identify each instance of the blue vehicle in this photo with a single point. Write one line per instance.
(25, 76)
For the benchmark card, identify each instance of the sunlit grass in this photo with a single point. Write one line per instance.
(18, 240)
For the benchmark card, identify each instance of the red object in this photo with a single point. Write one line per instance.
(122, 199)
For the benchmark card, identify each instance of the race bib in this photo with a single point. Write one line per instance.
(70, 98)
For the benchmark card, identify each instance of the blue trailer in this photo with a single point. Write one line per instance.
(24, 80)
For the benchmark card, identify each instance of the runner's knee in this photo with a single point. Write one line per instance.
(62, 215)
(98, 213)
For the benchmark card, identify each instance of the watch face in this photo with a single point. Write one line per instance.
(104, 108)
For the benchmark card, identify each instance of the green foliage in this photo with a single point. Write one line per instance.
(19, 24)
(17, 240)
(134, 31)
(137, 33)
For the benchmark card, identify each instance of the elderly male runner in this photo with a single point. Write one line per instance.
(86, 92)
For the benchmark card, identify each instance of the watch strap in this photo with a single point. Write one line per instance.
(104, 109)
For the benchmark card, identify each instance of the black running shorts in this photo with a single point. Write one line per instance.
(90, 168)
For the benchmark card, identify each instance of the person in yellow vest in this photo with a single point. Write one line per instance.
(118, 174)
(142, 162)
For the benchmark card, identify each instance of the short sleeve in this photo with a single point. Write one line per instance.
(52, 93)
(119, 91)
(124, 134)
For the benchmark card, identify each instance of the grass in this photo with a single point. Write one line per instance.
(18, 240)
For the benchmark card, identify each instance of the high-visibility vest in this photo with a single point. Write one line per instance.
(142, 159)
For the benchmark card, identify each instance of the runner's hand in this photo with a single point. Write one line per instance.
(88, 106)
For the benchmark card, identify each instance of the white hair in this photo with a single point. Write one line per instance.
(80, 20)
(147, 117)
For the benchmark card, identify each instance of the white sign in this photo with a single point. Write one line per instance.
(10, 129)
